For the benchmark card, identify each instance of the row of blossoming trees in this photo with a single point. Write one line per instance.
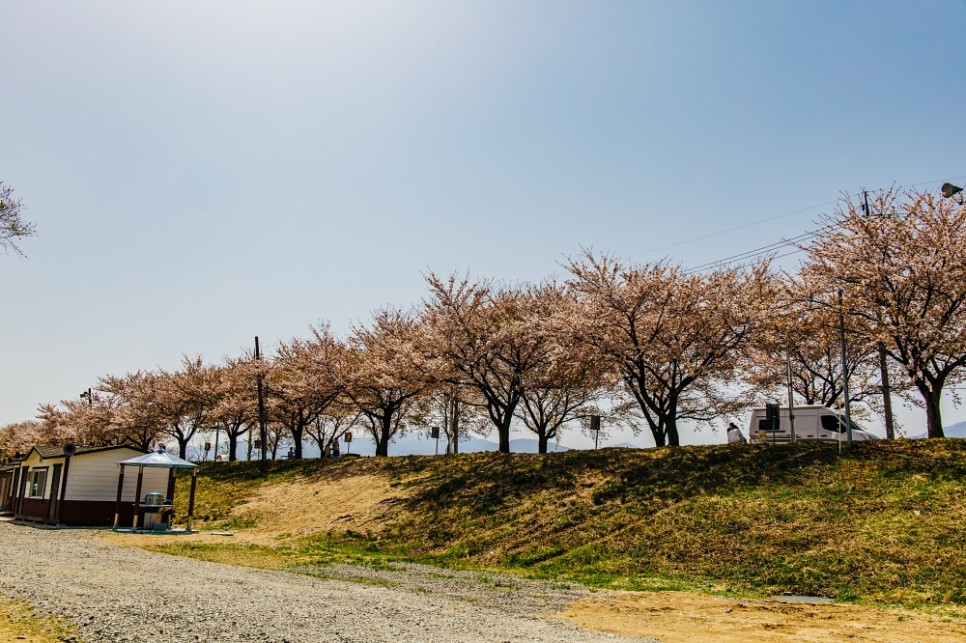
(647, 345)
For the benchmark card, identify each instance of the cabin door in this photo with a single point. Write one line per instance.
(54, 490)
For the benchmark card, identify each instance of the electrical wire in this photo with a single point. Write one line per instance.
(741, 227)
(762, 251)
(775, 246)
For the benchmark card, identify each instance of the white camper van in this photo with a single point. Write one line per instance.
(811, 423)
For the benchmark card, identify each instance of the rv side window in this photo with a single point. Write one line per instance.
(832, 423)
(764, 425)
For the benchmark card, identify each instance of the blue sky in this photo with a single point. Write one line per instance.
(201, 173)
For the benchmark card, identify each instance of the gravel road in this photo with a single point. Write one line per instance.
(116, 593)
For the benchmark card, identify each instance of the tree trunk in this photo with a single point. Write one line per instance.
(297, 432)
(504, 431)
(502, 416)
(542, 440)
(886, 394)
(382, 448)
(232, 446)
(934, 420)
(454, 427)
(673, 439)
(636, 387)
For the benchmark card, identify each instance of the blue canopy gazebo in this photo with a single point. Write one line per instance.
(155, 506)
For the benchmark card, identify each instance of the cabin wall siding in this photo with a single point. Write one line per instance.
(34, 509)
(94, 477)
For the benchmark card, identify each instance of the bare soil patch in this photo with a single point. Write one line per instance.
(683, 617)
(306, 507)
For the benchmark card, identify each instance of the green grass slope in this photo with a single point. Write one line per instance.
(882, 522)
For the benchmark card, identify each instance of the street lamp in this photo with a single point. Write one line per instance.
(949, 190)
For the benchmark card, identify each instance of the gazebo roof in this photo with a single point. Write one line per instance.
(159, 459)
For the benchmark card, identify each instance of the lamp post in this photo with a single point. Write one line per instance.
(89, 396)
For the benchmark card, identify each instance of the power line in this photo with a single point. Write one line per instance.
(741, 227)
(710, 235)
(765, 250)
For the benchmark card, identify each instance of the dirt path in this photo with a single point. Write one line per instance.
(680, 617)
(114, 593)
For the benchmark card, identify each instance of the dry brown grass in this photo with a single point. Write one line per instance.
(305, 507)
(18, 623)
(684, 617)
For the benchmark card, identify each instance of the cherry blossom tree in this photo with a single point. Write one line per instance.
(305, 378)
(235, 407)
(902, 280)
(477, 333)
(330, 427)
(455, 409)
(86, 422)
(673, 338)
(799, 335)
(135, 418)
(13, 226)
(386, 373)
(19, 437)
(184, 400)
(567, 380)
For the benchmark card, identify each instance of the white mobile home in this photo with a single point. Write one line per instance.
(67, 486)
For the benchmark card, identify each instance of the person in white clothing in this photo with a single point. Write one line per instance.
(735, 436)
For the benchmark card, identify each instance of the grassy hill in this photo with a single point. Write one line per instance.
(882, 523)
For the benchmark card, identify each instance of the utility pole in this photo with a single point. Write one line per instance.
(791, 400)
(883, 363)
(263, 434)
(845, 373)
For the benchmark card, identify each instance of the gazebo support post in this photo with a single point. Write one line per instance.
(137, 498)
(170, 496)
(117, 505)
(191, 498)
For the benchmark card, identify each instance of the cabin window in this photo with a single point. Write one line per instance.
(37, 483)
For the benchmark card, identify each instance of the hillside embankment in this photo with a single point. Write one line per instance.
(877, 525)
(880, 523)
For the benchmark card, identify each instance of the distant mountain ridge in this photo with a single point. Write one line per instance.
(957, 430)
